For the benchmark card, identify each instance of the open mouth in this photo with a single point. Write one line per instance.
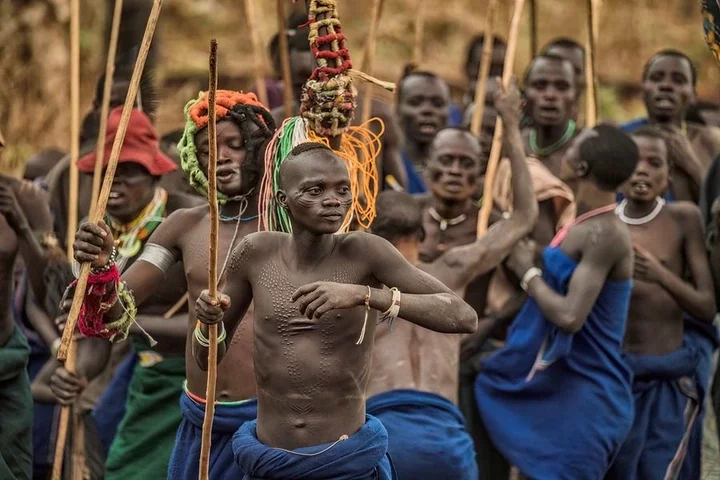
(665, 101)
(640, 187)
(225, 176)
(453, 186)
(427, 128)
(115, 199)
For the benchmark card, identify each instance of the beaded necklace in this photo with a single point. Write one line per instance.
(550, 149)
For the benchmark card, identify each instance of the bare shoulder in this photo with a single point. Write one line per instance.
(176, 201)
(685, 213)
(604, 236)
(253, 246)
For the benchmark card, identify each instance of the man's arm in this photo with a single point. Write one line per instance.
(569, 312)
(695, 296)
(425, 300)
(231, 305)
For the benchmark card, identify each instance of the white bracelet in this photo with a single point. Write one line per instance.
(529, 275)
(392, 313)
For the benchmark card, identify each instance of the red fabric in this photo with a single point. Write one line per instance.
(100, 295)
(141, 145)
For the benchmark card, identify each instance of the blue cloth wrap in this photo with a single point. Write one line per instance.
(666, 407)
(569, 419)
(185, 459)
(426, 435)
(112, 404)
(415, 182)
(363, 456)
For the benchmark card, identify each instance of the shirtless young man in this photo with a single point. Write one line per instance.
(423, 101)
(557, 400)
(672, 276)
(669, 82)
(552, 96)
(314, 329)
(243, 129)
(414, 378)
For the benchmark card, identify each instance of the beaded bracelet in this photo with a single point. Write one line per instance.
(204, 341)
(108, 265)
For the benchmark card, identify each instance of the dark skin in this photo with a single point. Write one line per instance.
(575, 56)
(665, 249)
(668, 94)
(497, 64)
(423, 109)
(551, 102)
(311, 375)
(714, 241)
(602, 245)
(432, 359)
(185, 234)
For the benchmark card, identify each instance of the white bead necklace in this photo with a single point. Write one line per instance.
(620, 212)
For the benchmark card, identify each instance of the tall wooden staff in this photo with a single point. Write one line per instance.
(591, 111)
(484, 217)
(105, 108)
(419, 32)
(534, 37)
(482, 81)
(257, 52)
(212, 278)
(285, 59)
(65, 352)
(74, 123)
(369, 59)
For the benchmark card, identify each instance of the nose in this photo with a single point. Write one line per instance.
(455, 167)
(331, 201)
(641, 169)
(550, 93)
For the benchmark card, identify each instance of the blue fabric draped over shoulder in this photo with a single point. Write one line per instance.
(185, 459)
(558, 405)
(362, 456)
(426, 435)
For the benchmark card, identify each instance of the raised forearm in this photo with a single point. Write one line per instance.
(699, 303)
(524, 203)
(440, 312)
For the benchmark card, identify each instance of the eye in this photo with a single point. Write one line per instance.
(314, 190)
(414, 101)
(562, 86)
(439, 102)
(445, 160)
(679, 79)
(343, 190)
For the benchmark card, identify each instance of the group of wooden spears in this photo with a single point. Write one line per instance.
(501, 287)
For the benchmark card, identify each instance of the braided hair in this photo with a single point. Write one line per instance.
(242, 108)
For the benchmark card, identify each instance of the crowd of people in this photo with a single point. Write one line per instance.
(573, 340)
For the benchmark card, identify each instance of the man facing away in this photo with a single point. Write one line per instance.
(556, 400)
(414, 378)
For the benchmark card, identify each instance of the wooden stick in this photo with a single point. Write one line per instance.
(257, 52)
(176, 308)
(482, 81)
(591, 96)
(99, 211)
(369, 59)
(419, 32)
(212, 278)
(484, 217)
(285, 59)
(78, 450)
(534, 37)
(74, 123)
(64, 421)
(105, 107)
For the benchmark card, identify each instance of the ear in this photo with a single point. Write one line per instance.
(281, 198)
(582, 169)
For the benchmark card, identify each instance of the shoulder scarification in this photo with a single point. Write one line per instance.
(241, 254)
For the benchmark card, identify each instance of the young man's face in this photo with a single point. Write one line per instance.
(668, 89)
(232, 155)
(316, 191)
(575, 56)
(551, 91)
(424, 108)
(132, 190)
(454, 165)
(652, 173)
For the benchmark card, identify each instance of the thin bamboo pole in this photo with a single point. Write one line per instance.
(74, 123)
(212, 277)
(285, 59)
(105, 107)
(257, 52)
(419, 32)
(591, 97)
(534, 36)
(484, 217)
(482, 81)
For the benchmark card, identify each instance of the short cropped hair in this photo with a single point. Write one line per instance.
(552, 57)
(671, 53)
(476, 43)
(410, 72)
(563, 42)
(648, 131)
(611, 156)
(398, 216)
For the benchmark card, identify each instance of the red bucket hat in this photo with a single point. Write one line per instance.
(141, 145)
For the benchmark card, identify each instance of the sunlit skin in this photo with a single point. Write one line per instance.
(668, 89)
(665, 249)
